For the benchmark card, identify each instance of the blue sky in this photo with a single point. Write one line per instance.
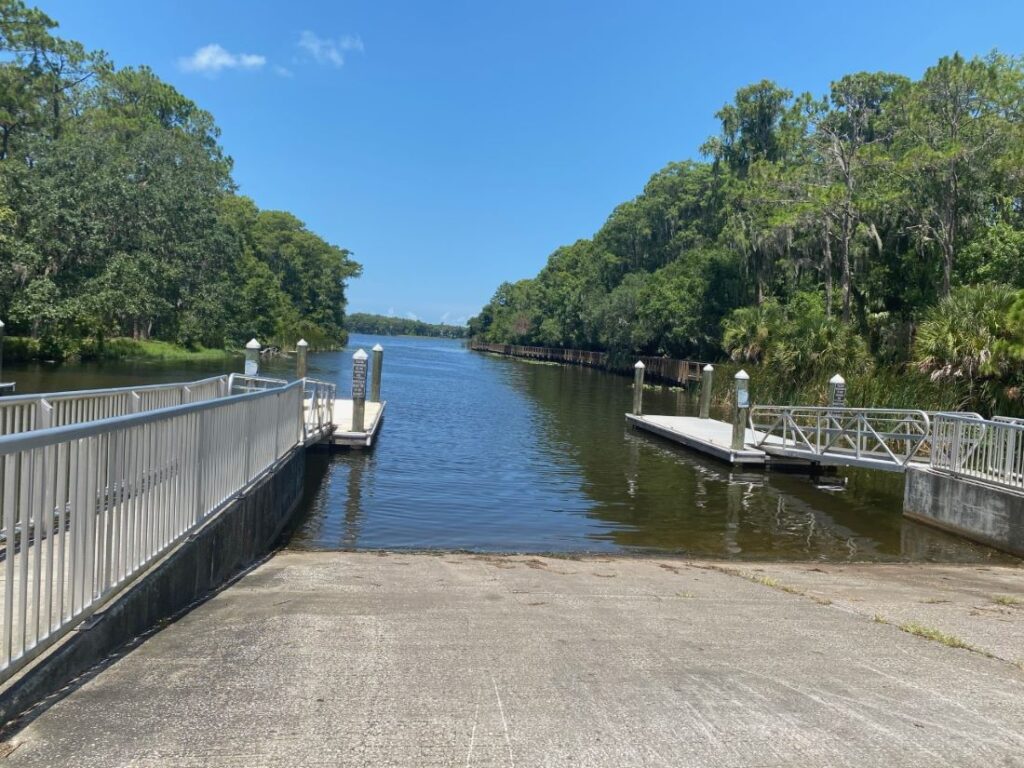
(455, 145)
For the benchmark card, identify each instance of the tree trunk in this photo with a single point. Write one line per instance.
(844, 264)
(827, 268)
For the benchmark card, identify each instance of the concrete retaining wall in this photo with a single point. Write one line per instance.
(239, 534)
(983, 513)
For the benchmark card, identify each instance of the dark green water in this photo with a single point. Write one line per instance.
(494, 454)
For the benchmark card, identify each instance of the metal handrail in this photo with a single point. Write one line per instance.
(867, 436)
(318, 408)
(23, 413)
(987, 450)
(88, 507)
(246, 383)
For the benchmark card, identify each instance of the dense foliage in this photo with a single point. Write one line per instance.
(118, 215)
(384, 325)
(818, 234)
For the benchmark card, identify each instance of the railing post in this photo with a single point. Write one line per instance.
(741, 405)
(378, 366)
(300, 358)
(707, 379)
(252, 358)
(638, 388)
(359, 390)
(44, 419)
(200, 491)
(2, 332)
(136, 405)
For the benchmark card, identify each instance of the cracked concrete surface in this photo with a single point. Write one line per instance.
(476, 660)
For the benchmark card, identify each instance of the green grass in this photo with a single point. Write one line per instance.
(930, 633)
(130, 349)
(1007, 600)
(21, 349)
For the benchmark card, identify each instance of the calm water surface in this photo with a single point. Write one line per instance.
(488, 453)
(493, 454)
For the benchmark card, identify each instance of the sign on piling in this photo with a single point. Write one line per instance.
(359, 390)
(252, 358)
(740, 410)
(837, 391)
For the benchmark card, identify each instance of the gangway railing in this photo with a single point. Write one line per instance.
(987, 450)
(880, 438)
(239, 383)
(317, 403)
(88, 507)
(318, 408)
(24, 413)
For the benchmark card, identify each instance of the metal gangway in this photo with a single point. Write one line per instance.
(97, 485)
(961, 444)
(889, 439)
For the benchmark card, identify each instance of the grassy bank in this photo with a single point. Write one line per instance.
(23, 349)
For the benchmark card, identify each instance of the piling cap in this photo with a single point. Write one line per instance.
(378, 348)
(640, 365)
(302, 343)
(837, 379)
(360, 354)
(742, 376)
(253, 344)
(1, 323)
(709, 368)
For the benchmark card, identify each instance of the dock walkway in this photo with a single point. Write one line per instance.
(361, 659)
(344, 436)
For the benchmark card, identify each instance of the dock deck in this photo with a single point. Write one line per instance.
(708, 436)
(344, 437)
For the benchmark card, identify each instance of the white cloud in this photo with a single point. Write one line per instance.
(212, 58)
(283, 71)
(411, 315)
(324, 50)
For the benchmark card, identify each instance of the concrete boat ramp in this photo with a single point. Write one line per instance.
(423, 660)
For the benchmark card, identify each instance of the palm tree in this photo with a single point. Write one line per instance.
(959, 336)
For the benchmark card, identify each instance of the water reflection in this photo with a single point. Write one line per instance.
(494, 454)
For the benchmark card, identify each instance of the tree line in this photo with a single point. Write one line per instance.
(385, 325)
(119, 216)
(880, 224)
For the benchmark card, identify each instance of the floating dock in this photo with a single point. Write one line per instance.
(344, 437)
(707, 436)
(714, 438)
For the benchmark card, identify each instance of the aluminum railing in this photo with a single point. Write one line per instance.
(988, 450)
(880, 438)
(87, 507)
(25, 413)
(318, 408)
(317, 402)
(239, 383)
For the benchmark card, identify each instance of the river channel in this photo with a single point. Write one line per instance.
(485, 453)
